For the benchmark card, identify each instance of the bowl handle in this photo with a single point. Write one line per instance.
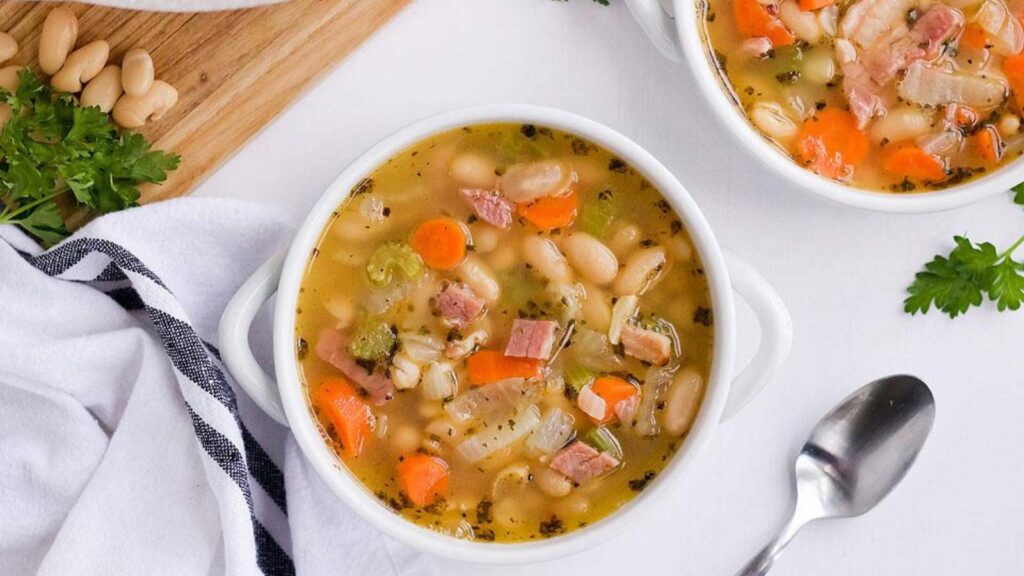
(776, 333)
(657, 22)
(234, 337)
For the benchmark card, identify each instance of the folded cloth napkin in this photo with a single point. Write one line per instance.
(124, 446)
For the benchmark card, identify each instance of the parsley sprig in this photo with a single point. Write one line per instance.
(956, 282)
(1018, 193)
(52, 146)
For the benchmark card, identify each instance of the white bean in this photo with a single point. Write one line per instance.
(475, 274)
(625, 240)
(552, 482)
(680, 248)
(592, 259)
(60, 31)
(572, 506)
(510, 481)
(81, 66)
(546, 259)
(803, 24)
(343, 311)
(485, 237)
(820, 66)
(903, 123)
(771, 119)
(597, 311)
(642, 270)
(682, 401)
(1009, 125)
(473, 169)
(137, 72)
(505, 256)
(533, 180)
(103, 90)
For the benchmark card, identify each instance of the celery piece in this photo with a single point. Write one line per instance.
(373, 340)
(390, 258)
(596, 216)
(577, 377)
(604, 441)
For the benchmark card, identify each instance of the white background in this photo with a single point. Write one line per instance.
(842, 273)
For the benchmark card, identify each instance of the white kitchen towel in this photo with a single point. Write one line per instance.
(124, 447)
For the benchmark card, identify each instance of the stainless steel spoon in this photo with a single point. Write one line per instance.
(855, 456)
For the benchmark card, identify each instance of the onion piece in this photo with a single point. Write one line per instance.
(593, 350)
(622, 311)
(656, 381)
(439, 381)
(422, 348)
(1003, 29)
(478, 446)
(484, 402)
(933, 86)
(554, 431)
(591, 404)
(945, 143)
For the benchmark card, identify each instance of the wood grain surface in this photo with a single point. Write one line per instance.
(235, 71)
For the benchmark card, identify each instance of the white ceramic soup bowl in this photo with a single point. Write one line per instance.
(285, 399)
(675, 28)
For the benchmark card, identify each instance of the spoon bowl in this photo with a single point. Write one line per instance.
(855, 456)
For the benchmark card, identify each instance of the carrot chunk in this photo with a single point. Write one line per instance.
(549, 213)
(346, 411)
(753, 20)
(808, 5)
(613, 390)
(912, 162)
(441, 243)
(487, 366)
(1013, 68)
(989, 144)
(832, 144)
(422, 478)
(974, 36)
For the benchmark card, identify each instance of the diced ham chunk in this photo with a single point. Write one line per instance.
(581, 462)
(862, 93)
(332, 347)
(646, 345)
(923, 41)
(933, 86)
(531, 339)
(489, 206)
(458, 305)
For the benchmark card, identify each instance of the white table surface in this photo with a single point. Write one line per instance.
(842, 273)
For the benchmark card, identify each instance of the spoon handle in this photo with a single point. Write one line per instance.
(760, 564)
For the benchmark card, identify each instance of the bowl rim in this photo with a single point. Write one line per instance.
(692, 41)
(357, 496)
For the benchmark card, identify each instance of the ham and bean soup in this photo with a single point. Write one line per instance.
(505, 332)
(890, 95)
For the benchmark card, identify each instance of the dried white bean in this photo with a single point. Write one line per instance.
(592, 259)
(9, 78)
(546, 259)
(81, 66)
(643, 269)
(8, 47)
(60, 31)
(137, 73)
(682, 401)
(104, 89)
(530, 181)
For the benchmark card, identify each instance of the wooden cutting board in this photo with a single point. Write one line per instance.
(235, 71)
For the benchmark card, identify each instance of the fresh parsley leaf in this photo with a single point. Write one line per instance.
(1018, 193)
(955, 283)
(53, 147)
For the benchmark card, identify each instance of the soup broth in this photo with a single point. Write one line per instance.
(504, 332)
(888, 95)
